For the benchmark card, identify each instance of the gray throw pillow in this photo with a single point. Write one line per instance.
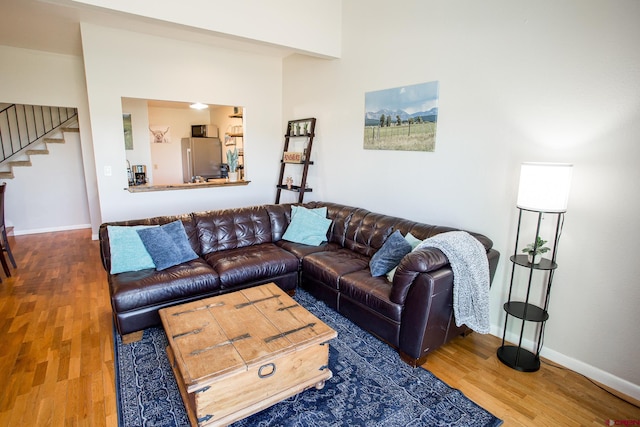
(168, 245)
(389, 255)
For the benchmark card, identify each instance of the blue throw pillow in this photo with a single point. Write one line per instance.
(127, 251)
(307, 226)
(168, 245)
(389, 255)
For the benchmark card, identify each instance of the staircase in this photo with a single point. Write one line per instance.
(26, 130)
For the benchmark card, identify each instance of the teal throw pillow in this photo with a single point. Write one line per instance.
(389, 255)
(168, 245)
(307, 226)
(414, 242)
(318, 211)
(127, 251)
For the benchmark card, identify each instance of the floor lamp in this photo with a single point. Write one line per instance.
(543, 189)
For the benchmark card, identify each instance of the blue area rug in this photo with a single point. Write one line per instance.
(371, 386)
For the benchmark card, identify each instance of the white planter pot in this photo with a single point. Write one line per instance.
(534, 259)
(233, 176)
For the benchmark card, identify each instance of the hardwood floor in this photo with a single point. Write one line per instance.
(57, 354)
(57, 369)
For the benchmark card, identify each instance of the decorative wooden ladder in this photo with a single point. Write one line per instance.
(297, 129)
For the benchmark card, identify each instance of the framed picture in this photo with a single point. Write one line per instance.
(128, 133)
(160, 134)
(402, 118)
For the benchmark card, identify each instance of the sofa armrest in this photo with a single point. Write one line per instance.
(426, 279)
(105, 250)
(427, 314)
(420, 261)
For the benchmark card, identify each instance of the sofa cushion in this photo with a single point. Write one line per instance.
(251, 264)
(127, 250)
(280, 217)
(372, 292)
(367, 234)
(307, 226)
(232, 228)
(327, 267)
(301, 251)
(168, 245)
(389, 255)
(137, 289)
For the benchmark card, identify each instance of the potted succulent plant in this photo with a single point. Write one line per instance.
(535, 249)
(232, 161)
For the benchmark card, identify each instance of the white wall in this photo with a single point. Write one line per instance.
(50, 195)
(306, 25)
(123, 64)
(519, 81)
(34, 197)
(141, 153)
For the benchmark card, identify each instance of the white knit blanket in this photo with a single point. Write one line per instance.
(468, 259)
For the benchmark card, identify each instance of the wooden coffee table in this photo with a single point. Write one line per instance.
(236, 354)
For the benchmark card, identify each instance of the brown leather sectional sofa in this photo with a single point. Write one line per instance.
(243, 247)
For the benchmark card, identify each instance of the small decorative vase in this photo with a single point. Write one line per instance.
(533, 259)
(233, 176)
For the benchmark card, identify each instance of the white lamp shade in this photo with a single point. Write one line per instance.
(544, 187)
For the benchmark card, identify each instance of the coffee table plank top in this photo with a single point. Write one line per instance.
(296, 325)
(223, 335)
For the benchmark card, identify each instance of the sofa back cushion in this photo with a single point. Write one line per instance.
(232, 228)
(280, 217)
(367, 233)
(424, 231)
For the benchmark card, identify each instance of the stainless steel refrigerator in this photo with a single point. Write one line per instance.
(201, 157)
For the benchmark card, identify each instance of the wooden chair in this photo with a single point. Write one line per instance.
(4, 242)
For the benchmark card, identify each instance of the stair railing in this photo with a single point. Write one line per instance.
(23, 125)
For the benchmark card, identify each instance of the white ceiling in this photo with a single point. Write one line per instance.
(55, 27)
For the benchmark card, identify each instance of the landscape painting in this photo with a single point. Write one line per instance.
(403, 118)
(128, 133)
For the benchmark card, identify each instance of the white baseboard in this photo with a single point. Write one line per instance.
(620, 384)
(50, 229)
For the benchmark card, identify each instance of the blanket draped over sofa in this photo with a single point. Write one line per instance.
(243, 247)
(468, 259)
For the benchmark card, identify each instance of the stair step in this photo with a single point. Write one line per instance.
(6, 175)
(54, 140)
(20, 163)
(37, 152)
(70, 129)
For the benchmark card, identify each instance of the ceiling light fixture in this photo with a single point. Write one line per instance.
(199, 106)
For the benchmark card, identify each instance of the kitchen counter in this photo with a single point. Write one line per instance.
(188, 186)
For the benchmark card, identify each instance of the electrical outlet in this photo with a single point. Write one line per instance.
(107, 171)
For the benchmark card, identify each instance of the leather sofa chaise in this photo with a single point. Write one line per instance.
(244, 247)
